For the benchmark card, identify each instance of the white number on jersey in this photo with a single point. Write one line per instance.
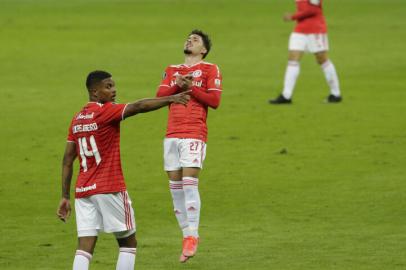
(315, 2)
(84, 151)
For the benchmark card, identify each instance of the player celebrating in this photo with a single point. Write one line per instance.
(186, 135)
(310, 35)
(101, 200)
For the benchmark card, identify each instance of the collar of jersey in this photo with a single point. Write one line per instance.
(198, 63)
(94, 103)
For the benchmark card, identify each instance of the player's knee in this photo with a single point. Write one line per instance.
(294, 56)
(126, 238)
(321, 59)
(87, 243)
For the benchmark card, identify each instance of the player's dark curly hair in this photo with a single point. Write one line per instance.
(205, 38)
(95, 77)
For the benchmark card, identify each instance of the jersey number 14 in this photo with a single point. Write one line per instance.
(85, 152)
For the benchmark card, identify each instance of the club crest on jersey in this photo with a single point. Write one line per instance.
(197, 73)
(217, 82)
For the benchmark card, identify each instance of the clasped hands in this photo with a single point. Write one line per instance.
(184, 81)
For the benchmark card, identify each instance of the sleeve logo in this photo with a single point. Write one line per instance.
(217, 82)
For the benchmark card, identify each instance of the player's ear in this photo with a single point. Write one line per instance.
(204, 51)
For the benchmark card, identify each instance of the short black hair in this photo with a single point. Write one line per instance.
(205, 38)
(95, 77)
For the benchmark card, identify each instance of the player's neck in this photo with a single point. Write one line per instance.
(191, 60)
(92, 99)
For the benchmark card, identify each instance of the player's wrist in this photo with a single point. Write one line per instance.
(171, 99)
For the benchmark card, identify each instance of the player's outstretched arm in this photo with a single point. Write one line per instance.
(151, 104)
(64, 208)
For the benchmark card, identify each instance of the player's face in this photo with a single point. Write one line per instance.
(194, 45)
(106, 91)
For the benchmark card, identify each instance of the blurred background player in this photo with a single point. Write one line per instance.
(309, 35)
(101, 199)
(186, 134)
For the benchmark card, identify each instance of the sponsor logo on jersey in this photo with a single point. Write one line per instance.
(197, 83)
(197, 73)
(85, 116)
(194, 83)
(84, 189)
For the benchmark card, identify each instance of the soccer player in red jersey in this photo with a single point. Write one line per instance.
(186, 134)
(101, 199)
(309, 35)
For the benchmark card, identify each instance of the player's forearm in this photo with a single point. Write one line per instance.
(147, 105)
(67, 171)
(211, 99)
(67, 168)
(165, 90)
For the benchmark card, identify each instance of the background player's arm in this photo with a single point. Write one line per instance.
(151, 104)
(69, 157)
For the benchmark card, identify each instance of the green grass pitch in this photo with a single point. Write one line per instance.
(307, 186)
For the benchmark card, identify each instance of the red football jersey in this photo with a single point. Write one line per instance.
(190, 121)
(96, 133)
(309, 17)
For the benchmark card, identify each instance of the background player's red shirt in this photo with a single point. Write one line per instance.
(96, 133)
(190, 121)
(309, 17)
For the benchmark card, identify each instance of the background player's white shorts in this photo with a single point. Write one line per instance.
(312, 43)
(183, 153)
(111, 213)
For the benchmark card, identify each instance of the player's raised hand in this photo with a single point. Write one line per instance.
(181, 98)
(64, 209)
